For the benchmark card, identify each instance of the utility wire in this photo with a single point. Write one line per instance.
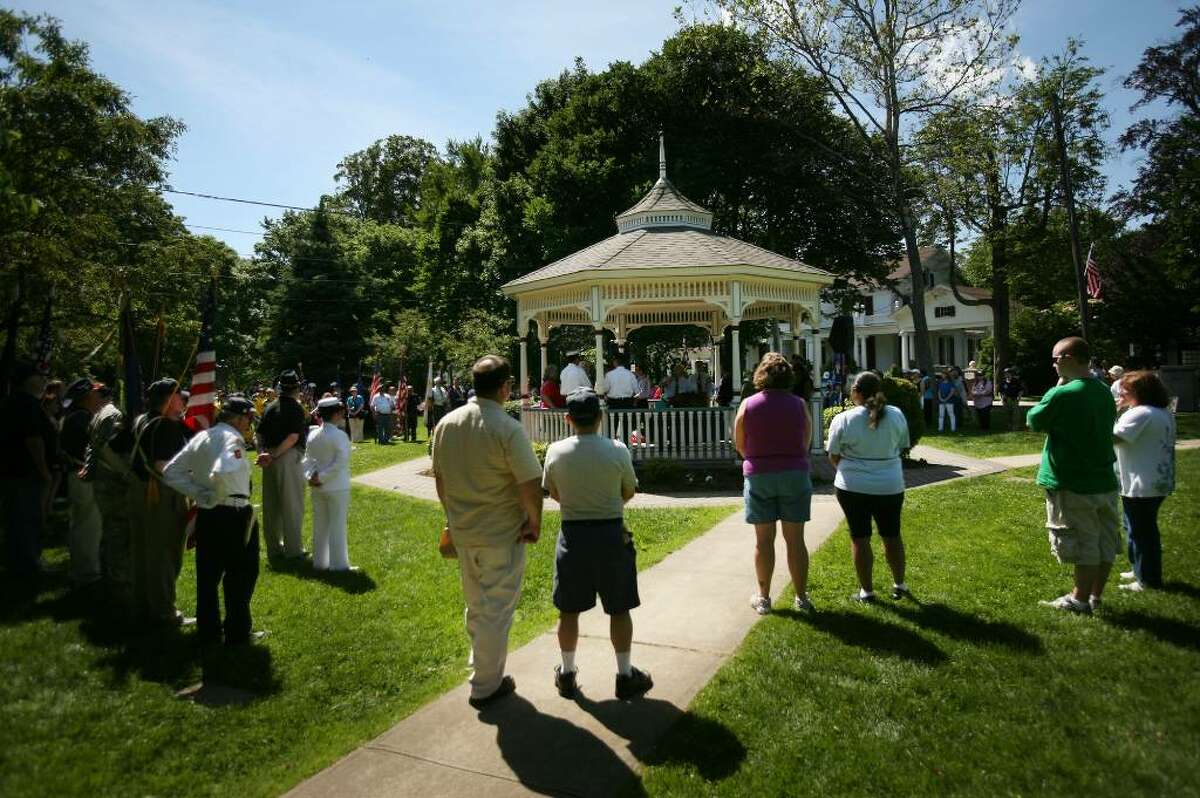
(223, 229)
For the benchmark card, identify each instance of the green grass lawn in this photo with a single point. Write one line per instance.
(87, 710)
(980, 691)
(367, 455)
(999, 442)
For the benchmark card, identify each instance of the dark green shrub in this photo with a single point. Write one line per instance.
(899, 392)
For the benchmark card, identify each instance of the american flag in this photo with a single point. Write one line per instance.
(200, 403)
(376, 386)
(1092, 272)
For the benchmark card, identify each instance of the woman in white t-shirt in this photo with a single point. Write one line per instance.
(1144, 438)
(865, 445)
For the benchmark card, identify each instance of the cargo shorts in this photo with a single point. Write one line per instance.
(1084, 529)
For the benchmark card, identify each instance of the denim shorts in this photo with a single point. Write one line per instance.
(595, 558)
(778, 496)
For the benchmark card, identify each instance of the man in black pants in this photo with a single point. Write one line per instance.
(214, 469)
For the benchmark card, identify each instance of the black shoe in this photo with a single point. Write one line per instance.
(902, 593)
(861, 599)
(507, 686)
(635, 684)
(565, 682)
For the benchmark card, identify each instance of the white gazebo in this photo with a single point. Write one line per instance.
(666, 266)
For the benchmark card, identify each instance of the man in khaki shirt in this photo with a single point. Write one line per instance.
(490, 484)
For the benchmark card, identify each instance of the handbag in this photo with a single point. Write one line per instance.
(446, 545)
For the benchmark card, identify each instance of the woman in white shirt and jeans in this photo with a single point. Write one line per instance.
(865, 446)
(1144, 438)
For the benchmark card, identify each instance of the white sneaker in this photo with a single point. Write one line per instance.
(1070, 604)
(1128, 576)
(1133, 587)
(760, 604)
(1094, 602)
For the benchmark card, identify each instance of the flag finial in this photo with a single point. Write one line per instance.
(662, 157)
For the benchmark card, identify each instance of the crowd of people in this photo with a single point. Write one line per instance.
(142, 489)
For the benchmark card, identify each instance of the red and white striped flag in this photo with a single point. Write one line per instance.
(1092, 272)
(200, 408)
(376, 386)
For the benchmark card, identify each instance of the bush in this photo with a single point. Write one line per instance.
(1034, 333)
(513, 408)
(539, 449)
(901, 393)
(661, 472)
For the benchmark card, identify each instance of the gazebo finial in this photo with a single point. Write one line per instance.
(662, 157)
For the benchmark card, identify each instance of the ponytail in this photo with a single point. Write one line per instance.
(870, 388)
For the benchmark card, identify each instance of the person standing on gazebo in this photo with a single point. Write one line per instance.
(622, 385)
(573, 377)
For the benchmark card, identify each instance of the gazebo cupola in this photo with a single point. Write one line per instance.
(664, 206)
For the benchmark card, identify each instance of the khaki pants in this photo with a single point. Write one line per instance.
(158, 542)
(491, 582)
(83, 540)
(283, 505)
(116, 544)
(356, 430)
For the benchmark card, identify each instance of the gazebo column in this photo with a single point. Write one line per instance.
(717, 361)
(600, 387)
(524, 387)
(542, 342)
(736, 360)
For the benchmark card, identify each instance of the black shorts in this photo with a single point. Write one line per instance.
(860, 508)
(593, 557)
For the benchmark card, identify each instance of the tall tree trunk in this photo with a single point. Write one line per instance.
(917, 292)
(1001, 314)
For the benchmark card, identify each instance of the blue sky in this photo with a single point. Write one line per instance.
(275, 93)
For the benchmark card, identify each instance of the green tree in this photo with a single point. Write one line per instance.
(991, 166)
(888, 66)
(383, 181)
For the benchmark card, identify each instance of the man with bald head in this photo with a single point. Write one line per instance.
(1083, 515)
(490, 484)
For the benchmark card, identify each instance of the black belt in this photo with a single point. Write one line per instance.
(238, 496)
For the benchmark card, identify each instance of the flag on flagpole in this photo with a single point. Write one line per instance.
(376, 385)
(1091, 271)
(200, 407)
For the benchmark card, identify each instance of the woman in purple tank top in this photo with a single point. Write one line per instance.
(771, 432)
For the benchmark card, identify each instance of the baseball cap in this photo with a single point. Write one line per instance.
(1116, 372)
(288, 378)
(583, 406)
(238, 405)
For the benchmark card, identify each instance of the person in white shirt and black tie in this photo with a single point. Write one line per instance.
(214, 470)
(622, 385)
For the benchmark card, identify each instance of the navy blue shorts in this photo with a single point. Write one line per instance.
(594, 558)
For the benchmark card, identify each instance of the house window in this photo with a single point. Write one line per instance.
(868, 305)
(943, 311)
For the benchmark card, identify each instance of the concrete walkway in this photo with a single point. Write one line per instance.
(695, 613)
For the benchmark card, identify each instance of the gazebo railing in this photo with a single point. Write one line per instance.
(676, 433)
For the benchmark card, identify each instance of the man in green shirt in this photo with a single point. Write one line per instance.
(1082, 513)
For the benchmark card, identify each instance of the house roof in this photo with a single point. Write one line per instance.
(665, 247)
(902, 267)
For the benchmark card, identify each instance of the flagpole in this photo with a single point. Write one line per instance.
(1069, 197)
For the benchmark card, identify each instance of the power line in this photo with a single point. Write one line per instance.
(242, 201)
(224, 229)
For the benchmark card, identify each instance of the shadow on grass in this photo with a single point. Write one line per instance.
(1168, 630)
(711, 748)
(553, 756)
(966, 626)
(863, 631)
(1182, 589)
(352, 582)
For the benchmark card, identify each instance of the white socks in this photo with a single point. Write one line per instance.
(865, 593)
(568, 664)
(900, 586)
(624, 663)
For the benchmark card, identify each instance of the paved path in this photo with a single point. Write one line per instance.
(695, 613)
(410, 479)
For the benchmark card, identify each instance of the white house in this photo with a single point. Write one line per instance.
(883, 328)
